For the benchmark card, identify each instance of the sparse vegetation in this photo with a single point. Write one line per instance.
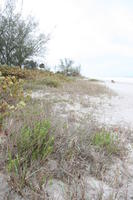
(52, 129)
(51, 82)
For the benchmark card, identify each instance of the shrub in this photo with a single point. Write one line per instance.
(17, 72)
(28, 74)
(32, 144)
(35, 143)
(11, 96)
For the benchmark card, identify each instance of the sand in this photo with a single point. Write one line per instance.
(118, 109)
(109, 111)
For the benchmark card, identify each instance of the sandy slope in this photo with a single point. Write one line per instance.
(116, 111)
(110, 111)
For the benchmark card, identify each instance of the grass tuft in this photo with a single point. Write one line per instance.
(31, 145)
(51, 82)
(106, 141)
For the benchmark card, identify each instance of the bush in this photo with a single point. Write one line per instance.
(28, 74)
(17, 72)
(11, 96)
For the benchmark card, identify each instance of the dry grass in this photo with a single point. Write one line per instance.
(85, 87)
(69, 86)
(74, 155)
(46, 80)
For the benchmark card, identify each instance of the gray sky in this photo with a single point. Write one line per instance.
(96, 34)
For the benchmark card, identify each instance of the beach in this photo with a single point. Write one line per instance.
(123, 102)
(118, 109)
(92, 123)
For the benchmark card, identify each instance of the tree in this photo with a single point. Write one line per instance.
(42, 66)
(67, 67)
(19, 37)
(30, 64)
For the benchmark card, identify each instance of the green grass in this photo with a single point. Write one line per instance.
(31, 145)
(51, 82)
(106, 141)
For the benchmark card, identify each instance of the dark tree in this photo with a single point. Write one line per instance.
(19, 37)
(42, 66)
(30, 64)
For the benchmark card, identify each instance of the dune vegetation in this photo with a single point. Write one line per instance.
(55, 141)
(49, 135)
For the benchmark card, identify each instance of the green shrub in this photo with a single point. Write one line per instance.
(35, 143)
(106, 141)
(31, 145)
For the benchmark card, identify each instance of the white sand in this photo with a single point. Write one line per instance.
(118, 109)
(115, 110)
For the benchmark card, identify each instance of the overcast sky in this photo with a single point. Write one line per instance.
(98, 34)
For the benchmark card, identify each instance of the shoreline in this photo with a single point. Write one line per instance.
(116, 79)
(120, 107)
